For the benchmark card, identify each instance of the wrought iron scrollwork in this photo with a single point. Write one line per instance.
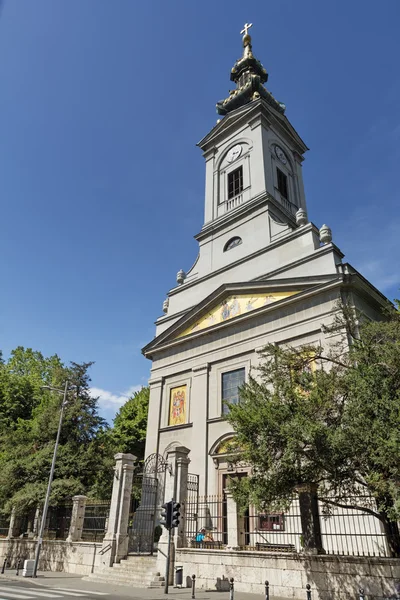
(155, 463)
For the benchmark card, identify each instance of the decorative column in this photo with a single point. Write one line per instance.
(232, 524)
(175, 488)
(309, 516)
(115, 542)
(77, 517)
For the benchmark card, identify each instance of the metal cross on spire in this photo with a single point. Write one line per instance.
(246, 28)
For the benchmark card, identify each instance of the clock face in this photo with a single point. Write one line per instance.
(280, 154)
(234, 153)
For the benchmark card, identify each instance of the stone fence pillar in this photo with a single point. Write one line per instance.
(77, 517)
(13, 528)
(115, 542)
(232, 524)
(122, 536)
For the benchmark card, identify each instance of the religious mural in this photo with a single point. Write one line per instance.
(177, 406)
(234, 306)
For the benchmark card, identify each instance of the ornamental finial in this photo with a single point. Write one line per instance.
(246, 39)
(246, 28)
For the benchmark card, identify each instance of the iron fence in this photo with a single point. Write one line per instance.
(58, 522)
(4, 526)
(353, 532)
(95, 520)
(344, 531)
(206, 521)
(270, 531)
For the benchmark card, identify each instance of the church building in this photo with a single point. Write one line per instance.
(264, 274)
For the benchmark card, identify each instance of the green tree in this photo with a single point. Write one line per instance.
(130, 424)
(29, 418)
(128, 434)
(330, 418)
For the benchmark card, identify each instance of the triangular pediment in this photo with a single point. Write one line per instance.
(233, 302)
(234, 305)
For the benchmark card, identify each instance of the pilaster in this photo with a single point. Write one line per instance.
(153, 417)
(199, 415)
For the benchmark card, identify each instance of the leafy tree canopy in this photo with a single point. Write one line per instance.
(29, 417)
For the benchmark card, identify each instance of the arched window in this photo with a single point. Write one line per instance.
(235, 241)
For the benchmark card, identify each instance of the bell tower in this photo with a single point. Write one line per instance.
(255, 221)
(253, 151)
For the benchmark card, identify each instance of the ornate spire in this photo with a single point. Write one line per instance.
(249, 76)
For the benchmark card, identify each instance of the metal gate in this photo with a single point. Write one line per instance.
(147, 498)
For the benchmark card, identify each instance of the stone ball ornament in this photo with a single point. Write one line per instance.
(325, 234)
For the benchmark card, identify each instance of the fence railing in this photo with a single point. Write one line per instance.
(4, 526)
(58, 522)
(353, 532)
(95, 521)
(344, 531)
(271, 531)
(206, 522)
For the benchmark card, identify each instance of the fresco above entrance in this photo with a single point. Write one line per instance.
(235, 305)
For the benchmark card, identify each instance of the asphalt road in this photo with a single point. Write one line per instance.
(63, 586)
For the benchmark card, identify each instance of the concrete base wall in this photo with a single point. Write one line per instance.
(330, 577)
(69, 557)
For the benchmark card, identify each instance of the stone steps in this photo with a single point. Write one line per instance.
(136, 571)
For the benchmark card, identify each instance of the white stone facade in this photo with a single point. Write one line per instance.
(276, 253)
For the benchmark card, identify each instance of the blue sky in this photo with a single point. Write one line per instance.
(101, 184)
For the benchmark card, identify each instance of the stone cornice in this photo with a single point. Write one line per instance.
(200, 369)
(245, 209)
(156, 382)
(176, 427)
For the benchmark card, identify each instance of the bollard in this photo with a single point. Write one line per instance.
(308, 588)
(231, 588)
(18, 566)
(193, 586)
(361, 593)
(3, 568)
(267, 590)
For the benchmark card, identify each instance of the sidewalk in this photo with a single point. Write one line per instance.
(71, 581)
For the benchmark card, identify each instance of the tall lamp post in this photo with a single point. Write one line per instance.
(53, 463)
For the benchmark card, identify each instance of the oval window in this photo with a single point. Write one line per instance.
(235, 241)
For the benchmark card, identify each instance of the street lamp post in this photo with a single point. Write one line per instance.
(53, 463)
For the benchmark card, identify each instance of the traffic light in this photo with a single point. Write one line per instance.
(166, 515)
(175, 514)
